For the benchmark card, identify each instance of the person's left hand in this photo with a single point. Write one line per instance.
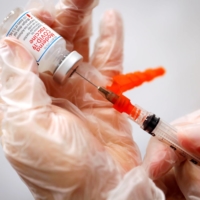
(66, 141)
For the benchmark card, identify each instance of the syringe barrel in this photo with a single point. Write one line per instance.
(168, 134)
(161, 130)
(139, 115)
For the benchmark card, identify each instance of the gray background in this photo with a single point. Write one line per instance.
(156, 33)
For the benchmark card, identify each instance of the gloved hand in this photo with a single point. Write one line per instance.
(178, 178)
(67, 142)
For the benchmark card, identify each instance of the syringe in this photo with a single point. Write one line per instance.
(149, 122)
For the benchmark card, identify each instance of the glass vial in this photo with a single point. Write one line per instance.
(47, 46)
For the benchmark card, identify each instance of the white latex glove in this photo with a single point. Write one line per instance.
(67, 142)
(178, 178)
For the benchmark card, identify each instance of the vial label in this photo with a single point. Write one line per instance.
(34, 34)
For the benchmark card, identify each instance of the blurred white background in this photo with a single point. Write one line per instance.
(157, 33)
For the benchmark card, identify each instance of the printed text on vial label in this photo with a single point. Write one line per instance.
(34, 34)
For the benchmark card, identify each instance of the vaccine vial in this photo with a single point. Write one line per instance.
(47, 46)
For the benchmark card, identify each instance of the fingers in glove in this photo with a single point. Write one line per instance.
(189, 132)
(21, 86)
(186, 173)
(136, 184)
(188, 179)
(43, 10)
(108, 52)
(169, 186)
(192, 118)
(159, 159)
(73, 22)
(189, 138)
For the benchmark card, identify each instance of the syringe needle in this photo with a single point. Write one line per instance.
(87, 80)
(110, 96)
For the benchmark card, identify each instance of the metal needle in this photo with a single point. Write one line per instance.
(110, 96)
(87, 80)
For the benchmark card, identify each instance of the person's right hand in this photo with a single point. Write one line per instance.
(178, 178)
(67, 142)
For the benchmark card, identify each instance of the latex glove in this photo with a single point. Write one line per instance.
(67, 142)
(178, 178)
